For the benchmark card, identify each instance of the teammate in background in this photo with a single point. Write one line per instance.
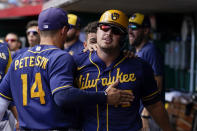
(90, 31)
(73, 45)
(8, 122)
(13, 44)
(32, 33)
(32, 36)
(99, 69)
(40, 81)
(139, 32)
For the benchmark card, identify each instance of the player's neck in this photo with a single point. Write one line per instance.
(67, 44)
(50, 41)
(108, 56)
(139, 47)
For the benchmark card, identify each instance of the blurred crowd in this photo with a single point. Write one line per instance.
(15, 3)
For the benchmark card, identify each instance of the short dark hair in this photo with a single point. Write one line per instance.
(32, 23)
(48, 33)
(91, 27)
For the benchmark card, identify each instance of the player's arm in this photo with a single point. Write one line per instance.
(159, 80)
(15, 113)
(66, 95)
(5, 94)
(152, 100)
(145, 114)
(4, 106)
(158, 111)
(12, 107)
(76, 97)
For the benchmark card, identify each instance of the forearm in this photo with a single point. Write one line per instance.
(159, 80)
(160, 115)
(74, 96)
(14, 112)
(3, 107)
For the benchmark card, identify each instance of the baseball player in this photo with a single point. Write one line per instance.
(73, 44)
(40, 81)
(8, 122)
(13, 42)
(5, 59)
(32, 37)
(90, 31)
(97, 70)
(139, 32)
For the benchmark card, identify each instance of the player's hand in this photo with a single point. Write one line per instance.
(129, 54)
(91, 47)
(116, 97)
(113, 94)
(17, 126)
(126, 97)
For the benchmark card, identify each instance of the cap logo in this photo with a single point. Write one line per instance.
(114, 16)
(45, 26)
(71, 52)
(133, 17)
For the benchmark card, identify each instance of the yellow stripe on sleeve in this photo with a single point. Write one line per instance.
(146, 98)
(60, 88)
(8, 98)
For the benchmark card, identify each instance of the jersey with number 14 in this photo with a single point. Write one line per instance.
(33, 78)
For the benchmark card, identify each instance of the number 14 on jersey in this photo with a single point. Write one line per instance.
(33, 92)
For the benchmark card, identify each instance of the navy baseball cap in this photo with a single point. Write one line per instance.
(52, 19)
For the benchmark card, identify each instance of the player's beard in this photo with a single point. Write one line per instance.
(138, 40)
(109, 49)
(70, 37)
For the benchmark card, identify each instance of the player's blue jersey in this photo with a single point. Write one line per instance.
(20, 51)
(134, 76)
(5, 59)
(31, 81)
(75, 48)
(150, 54)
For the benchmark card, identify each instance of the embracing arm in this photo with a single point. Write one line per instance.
(74, 96)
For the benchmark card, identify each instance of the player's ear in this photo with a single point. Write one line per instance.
(146, 30)
(38, 30)
(78, 32)
(64, 30)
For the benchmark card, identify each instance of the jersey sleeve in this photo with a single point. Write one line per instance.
(5, 91)
(61, 73)
(150, 92)
(155, 60)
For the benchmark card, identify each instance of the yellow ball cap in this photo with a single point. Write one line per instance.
(136, 18)
(115, 17)
(73, 20)
(140, 19)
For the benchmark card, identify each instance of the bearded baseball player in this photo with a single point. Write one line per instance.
(97, 70)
